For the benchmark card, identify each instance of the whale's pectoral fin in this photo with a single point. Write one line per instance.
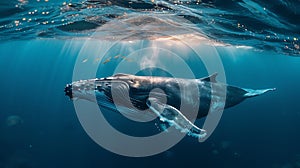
(162, 126)
(174, 117)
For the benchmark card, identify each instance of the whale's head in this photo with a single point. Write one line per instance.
(98, 88)
(83, 89)
(89, 89)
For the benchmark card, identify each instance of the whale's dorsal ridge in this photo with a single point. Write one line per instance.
(210, 78)
(121, 74)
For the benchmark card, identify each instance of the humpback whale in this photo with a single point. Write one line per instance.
(161, 97)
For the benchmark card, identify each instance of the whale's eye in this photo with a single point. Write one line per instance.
(131, 81)
(99, 88)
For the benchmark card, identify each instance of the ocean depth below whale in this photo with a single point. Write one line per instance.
(162, 97)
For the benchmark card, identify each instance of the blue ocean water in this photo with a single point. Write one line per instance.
(257, 41)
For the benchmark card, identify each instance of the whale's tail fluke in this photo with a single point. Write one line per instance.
(253, 93)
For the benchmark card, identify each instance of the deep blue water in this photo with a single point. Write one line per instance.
(260, 132)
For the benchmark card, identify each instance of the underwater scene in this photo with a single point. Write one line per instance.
(150, 83)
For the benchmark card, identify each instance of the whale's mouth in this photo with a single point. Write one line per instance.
(68, 91)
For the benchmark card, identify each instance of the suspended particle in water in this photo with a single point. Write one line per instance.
(13, 120)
